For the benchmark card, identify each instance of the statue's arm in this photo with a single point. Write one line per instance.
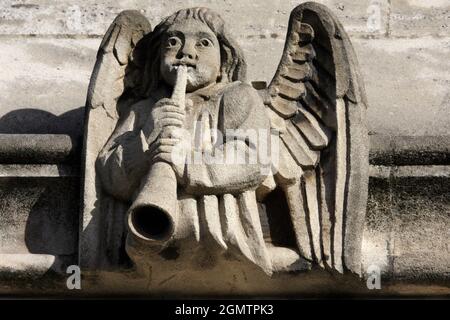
(241, 109)
(122, 161)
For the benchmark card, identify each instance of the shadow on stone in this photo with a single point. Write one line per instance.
(52, 224)
(46, 206)
(30, 120)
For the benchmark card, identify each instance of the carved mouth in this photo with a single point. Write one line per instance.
(187, 64)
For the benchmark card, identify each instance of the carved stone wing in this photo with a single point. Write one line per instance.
(116, 82)
(118, 66)
(317, 102)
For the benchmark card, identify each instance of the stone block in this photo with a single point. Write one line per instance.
(246, 18)
(34, 149)
(44, 84)
(407, 82)
(417, 18)
(406, 231)
(408, 85)
(376, 246)
(407, 226)
(38, 212)
(400, 151)
(46, 79)
(421, 209)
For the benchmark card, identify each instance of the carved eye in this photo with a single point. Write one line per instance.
(205, 43)
(173, 42)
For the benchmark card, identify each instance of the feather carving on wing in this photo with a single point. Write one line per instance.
(119, 66)
(116, 83)
(317, 103)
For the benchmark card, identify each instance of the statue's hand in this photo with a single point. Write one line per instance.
(167, 112)
(172, 142)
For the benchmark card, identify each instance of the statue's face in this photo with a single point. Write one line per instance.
(192, 43)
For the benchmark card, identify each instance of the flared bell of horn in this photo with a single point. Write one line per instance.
(153, 215)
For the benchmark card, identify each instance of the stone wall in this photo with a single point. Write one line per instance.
(49, 47)
(48, 52)
(405, 236)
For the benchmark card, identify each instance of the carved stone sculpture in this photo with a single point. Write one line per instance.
(165, 110)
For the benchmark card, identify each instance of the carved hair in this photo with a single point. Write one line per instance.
(233, 66)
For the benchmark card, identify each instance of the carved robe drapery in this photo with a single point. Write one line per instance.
(218, 201)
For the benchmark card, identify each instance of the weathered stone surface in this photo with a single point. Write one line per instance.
(44, 84)
(409, 150)
(421, 247)
(394, 72)
(38, 215)
(38, 171)
(268, 18)
(37, 148)
(407, 227)
(407, 83)
(418, 18)
(31, 266)
(397, 237)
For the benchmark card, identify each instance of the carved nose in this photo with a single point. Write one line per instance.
(187, 52)
(187, 55)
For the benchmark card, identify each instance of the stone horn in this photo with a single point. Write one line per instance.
(153, 214)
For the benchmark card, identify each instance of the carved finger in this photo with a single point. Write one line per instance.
(174, 133)
(171, 122)
(160, 150)
(153, 148)
(173, 115)
(166, 101)
(169, 142)
(178, 133)
(172, 108)
(163, 148)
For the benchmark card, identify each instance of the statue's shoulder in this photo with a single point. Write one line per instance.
(242, 95)
(241, 103)
(238, 89)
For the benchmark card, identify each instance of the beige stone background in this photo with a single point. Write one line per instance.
(48, 49)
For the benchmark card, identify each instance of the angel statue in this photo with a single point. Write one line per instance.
(166, 106)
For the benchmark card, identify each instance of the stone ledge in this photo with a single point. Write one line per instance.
(38, 171)
(30, 149)
(37, 148)
(33, 264)
(408, 150)
(31, 273)
(407, 201)
(386, 172)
